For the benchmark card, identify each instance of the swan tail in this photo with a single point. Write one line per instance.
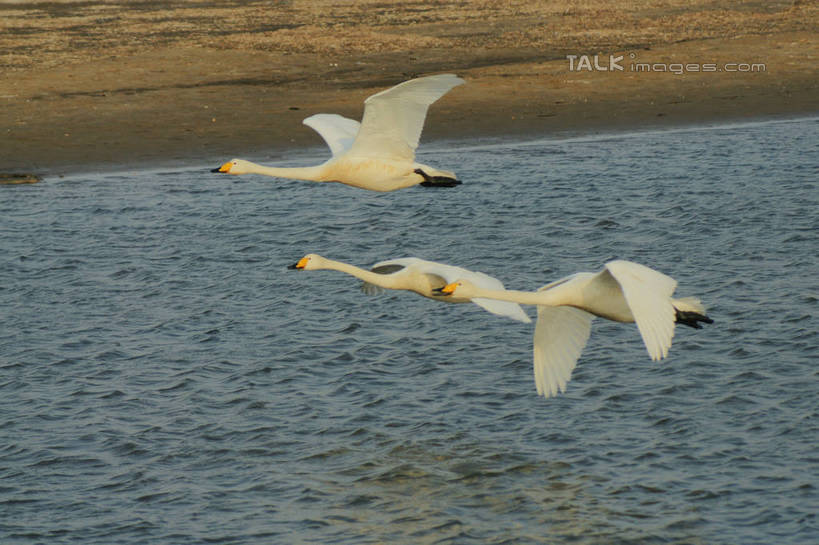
(690, 311)
(444, 180)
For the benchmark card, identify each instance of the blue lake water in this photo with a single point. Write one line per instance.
(165, 379)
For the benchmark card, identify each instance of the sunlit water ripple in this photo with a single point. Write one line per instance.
(165, 379)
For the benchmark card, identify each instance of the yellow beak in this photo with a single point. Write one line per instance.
(449, 288)
(302, 263)
(225, 167)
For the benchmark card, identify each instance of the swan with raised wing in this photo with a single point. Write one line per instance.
(419, 276)
(623, 292)
(377, 154)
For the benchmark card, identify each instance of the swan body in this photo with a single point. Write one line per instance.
(379, 153)
(623, 292)
(419, 276)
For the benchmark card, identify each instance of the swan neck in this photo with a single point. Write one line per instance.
(312, 174)
(370, 277)
(515, 296)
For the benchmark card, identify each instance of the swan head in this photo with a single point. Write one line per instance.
(460, 288)
(234, 166)
(310, 262)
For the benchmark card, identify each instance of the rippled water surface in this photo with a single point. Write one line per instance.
(165, 379)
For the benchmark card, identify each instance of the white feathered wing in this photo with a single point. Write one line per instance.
(338, 131)
(648, 294)
(561, 333)
(393, 119)
(451, 273)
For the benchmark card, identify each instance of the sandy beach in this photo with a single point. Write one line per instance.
(89, 85)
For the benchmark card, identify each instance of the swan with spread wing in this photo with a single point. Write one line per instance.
(419, 276)
(377, 154)
(623, 292)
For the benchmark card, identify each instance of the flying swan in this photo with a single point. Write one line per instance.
(623, 292)
(378, 153)
(422, 277)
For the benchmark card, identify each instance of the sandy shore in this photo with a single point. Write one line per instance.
(97, 84)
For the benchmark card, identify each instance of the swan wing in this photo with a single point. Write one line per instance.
(394, 266)
(394, 118)
(648, 294)
(338, 131)
(390, 266)
(561, 334)
(451, 273)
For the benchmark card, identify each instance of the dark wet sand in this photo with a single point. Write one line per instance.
(90, 85)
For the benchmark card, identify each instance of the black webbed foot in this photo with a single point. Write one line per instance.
(692, 319)
(436, 181)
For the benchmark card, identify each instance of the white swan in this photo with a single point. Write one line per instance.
(419, 276)
(623, 291)
(379, 153)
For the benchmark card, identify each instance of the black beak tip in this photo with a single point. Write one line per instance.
(293, 267)
(217, 169)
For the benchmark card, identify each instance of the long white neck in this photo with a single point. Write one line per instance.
(381, 280)
(521, 297)
(313, 174)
